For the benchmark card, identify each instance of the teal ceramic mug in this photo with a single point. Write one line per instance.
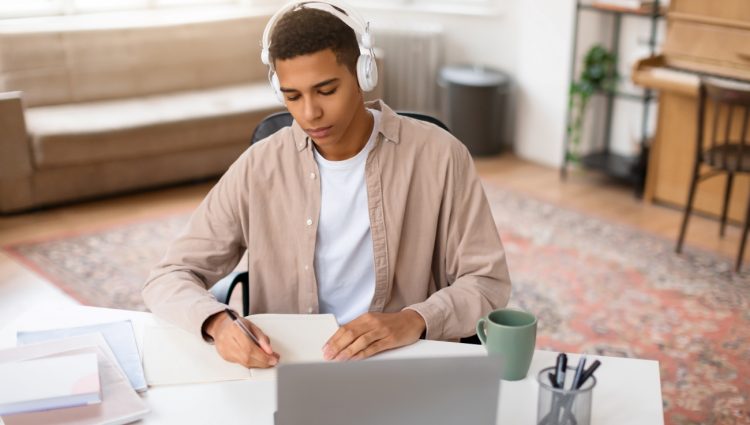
(510, 334)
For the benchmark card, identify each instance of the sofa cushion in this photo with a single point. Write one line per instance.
(90, 57)
(101, 131)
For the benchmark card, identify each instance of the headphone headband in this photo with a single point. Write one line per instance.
(349, 17)
(367, 70)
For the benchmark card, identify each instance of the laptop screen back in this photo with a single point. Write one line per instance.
(433, 391)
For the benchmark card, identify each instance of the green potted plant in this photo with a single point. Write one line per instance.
(598, 74)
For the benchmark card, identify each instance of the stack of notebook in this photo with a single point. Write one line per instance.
(83, 375)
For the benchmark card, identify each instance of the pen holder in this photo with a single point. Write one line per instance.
(563, 406)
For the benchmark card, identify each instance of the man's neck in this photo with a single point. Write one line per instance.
(359, 130)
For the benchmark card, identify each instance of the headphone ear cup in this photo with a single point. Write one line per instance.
(367, 72)
(276, 86)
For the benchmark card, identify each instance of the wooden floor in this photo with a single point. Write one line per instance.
(585, 192)
(596, 195)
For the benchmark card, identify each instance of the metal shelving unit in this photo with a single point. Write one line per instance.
(630, 169)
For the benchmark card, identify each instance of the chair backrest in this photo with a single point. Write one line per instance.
(275, 122)
(724, 144)
(271, 124)
(425, 117)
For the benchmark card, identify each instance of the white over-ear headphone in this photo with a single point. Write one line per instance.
(367, 70)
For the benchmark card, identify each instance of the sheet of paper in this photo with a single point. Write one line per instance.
(120, 404)
(119, 335)
(173, 356)
(298, 338)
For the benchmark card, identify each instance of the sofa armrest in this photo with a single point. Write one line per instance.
(15, 152)
(15, 155)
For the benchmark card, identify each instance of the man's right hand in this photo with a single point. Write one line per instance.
(236, 347)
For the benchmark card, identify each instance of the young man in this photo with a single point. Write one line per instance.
(353, 210)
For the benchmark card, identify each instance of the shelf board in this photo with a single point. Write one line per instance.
(629, 96)
(610, 8)
(615, 165)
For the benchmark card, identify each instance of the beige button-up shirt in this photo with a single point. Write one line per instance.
(436, 248)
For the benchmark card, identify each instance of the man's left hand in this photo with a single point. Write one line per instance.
(372, 333)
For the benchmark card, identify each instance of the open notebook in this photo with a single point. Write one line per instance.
(173, 356)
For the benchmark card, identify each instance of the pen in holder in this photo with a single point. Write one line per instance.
(563, 406)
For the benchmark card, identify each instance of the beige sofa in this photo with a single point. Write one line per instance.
(101, 104)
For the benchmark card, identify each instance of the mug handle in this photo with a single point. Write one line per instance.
(480, 331)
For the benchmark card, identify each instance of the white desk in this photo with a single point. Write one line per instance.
(628, 391)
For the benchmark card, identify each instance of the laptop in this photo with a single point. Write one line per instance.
(435, 391)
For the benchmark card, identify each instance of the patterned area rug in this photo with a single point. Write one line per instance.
(597, 287)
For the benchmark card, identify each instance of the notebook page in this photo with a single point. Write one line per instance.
(297, 338)
(172, 356)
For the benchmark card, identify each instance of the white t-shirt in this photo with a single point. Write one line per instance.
(344, 265)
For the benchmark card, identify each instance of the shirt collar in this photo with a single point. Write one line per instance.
(389, 126)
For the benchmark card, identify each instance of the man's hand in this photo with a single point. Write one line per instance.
(234, 346)
(372, 333)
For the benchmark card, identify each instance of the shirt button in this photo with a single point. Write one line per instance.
(309, 222)
(307, 268)
(310, 310)
(312, 176)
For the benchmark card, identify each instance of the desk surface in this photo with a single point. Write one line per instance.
(628, 390)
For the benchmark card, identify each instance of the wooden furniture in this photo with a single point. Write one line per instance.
(628, 391)
(725, 151)
(703, 39)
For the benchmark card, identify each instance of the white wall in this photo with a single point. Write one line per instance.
(531, 40)
(486, 40)
(542, 72)
(528, 39)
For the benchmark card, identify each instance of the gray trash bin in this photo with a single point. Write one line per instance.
(475, 106)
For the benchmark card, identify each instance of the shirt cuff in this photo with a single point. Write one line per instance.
(433, 319)
(201, 315)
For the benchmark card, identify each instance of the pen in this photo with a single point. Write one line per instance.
(587, 374)
(560, 367)
(241, 324)
(579, 372)
(552, 379)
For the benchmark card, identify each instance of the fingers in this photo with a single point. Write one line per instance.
(355, 336)
(359, 344)
(234, 346)
(372, 333)
(374, 348)
(344, 337)
(251, 355)
(265, 342)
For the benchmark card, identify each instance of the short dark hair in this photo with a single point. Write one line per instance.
(305, 31)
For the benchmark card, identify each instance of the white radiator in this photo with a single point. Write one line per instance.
(411, 61)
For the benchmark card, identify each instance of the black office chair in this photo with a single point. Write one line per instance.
(726, 152)
(223, 289)
(274, 122)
